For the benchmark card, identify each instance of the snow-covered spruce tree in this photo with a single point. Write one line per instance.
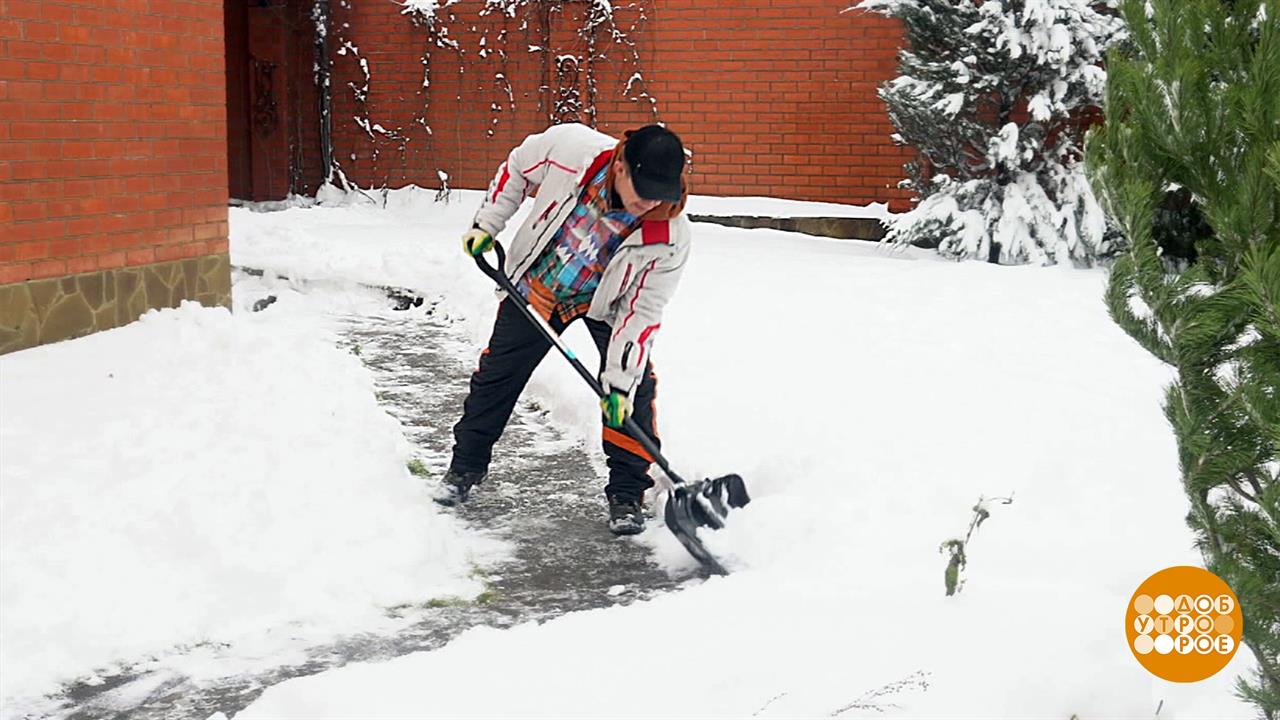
(1187, 166)
(990, 95)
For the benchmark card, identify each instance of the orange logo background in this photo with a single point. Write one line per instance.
(1183, 624)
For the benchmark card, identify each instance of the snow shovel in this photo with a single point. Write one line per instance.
(704, 503)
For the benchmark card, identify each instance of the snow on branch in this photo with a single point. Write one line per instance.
(990, 95)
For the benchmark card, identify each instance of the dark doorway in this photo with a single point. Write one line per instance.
(272, 105)
(239, 159)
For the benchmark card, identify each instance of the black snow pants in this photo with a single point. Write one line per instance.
(515, 349)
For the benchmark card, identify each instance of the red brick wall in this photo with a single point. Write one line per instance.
(113, 147)
(775, 97)
(781, 99)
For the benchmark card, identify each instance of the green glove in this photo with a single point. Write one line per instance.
(616, 407)
(477, 242)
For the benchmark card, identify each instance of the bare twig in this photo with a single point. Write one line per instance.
(918, 680)
(779, 696)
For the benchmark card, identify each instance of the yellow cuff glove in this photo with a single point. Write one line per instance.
(477, 242)
(617, 408)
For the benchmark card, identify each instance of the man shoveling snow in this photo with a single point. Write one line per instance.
(606, 241)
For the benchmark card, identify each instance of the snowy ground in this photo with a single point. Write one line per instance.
(779, 208)
(869, 398)
(201, 480)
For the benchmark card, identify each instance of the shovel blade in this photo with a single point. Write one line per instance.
(703, 504)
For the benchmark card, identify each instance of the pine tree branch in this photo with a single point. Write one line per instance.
(1252, 476)
(1267, 667)
(1235, 485)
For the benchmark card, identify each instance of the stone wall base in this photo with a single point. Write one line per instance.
(44, 311)
(833, 227)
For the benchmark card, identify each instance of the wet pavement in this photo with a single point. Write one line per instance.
(543, 496)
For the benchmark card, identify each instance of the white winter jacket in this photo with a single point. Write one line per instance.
(642, 274)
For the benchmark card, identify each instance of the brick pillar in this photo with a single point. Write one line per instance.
(113, 163)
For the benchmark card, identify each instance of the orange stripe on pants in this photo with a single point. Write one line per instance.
(626, 442)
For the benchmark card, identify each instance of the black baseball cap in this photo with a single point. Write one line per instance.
(655, 156)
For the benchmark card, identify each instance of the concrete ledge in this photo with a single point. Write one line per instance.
(44, 311)
(843, 228)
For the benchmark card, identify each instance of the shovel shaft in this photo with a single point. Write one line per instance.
(633, 428)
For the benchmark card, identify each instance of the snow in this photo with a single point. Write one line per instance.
(869, 397)
(636, 77)
(777, 207)
(1004, 145)
(425, 11)
(203, 477)
(868, 412)
(949, 105)
(1040, 107)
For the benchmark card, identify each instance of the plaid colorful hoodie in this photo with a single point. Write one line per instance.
(564, 278)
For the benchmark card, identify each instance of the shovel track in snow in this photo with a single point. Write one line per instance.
(543, 496)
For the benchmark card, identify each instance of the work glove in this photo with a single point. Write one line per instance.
(477, 242)
(616, 407)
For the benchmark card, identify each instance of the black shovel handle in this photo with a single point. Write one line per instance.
(633, 428)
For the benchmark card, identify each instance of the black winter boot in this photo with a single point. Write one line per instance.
(625, 516)
(455, 486)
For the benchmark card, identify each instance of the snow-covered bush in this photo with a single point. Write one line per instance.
(991, 94)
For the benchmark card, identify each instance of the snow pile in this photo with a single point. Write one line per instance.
(821, 371)
(199, 477)
(779, 208)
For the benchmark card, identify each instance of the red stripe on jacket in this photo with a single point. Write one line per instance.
(626, 276)
(502, 183)
(644, 337)
(597, 165)
(640, 288)
(548, 161)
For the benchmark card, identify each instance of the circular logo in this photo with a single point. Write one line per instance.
(1183, 624)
